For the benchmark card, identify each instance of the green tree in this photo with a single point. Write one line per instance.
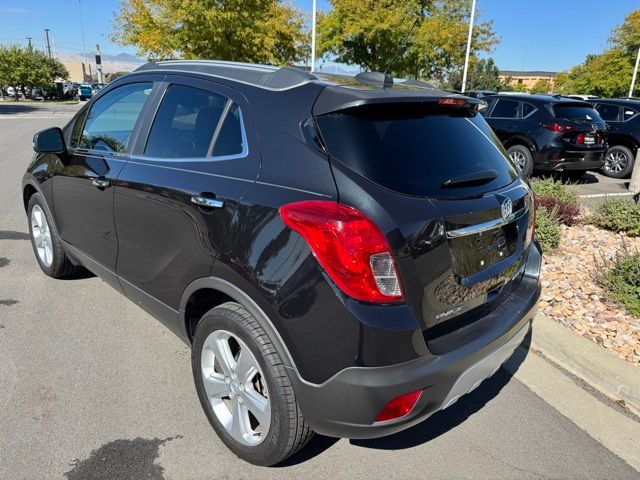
(605, 75)
(541, 86)
(418, 38)
(519, 87)
(264, 31)
(28, 68)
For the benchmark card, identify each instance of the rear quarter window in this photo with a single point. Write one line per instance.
(414, 152)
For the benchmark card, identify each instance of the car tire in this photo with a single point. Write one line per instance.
(233, 332)
(46, 242)
(618, 162)
(522, 158)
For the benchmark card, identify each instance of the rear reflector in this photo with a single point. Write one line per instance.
(399, 406)
(349, 246)
(556, 127)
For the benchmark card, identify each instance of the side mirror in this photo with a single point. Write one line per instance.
(50, 140)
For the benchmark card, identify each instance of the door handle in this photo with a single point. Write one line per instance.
(207, 202)
(100, 182)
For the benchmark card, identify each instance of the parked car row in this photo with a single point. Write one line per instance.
(59, 90)
(565, 134)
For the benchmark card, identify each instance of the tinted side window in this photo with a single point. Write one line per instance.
(609, 113)
(185, 123)
(230, 141)
(111, 118)
(505, 109)
(76, 133)
(527, 108)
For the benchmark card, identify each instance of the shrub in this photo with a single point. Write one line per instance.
(547, 229)
(623, 282)
(554, 188)
(565, 212)
(618, 216)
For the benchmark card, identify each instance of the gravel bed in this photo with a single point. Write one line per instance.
(572, 296)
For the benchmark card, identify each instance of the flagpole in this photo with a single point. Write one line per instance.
(466, 58)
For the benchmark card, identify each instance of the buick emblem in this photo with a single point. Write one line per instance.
(594, 127)
(506, 209)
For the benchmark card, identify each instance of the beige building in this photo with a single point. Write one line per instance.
(528, 79)
(78, 71)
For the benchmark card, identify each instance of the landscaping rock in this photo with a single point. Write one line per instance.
(572, 296)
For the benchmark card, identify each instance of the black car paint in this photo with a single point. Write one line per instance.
(544, 144)
(622, 132)
(168, 250)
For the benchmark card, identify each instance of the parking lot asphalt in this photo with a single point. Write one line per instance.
(91, 387)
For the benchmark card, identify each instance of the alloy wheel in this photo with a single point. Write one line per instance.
(41, 236)
(236, 387)
(519, 160)
(615, 161)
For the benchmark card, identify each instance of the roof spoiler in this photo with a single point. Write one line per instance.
(337, 101)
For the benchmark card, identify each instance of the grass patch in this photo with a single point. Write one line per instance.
(618, 216)
(622, 280)
(547, 229)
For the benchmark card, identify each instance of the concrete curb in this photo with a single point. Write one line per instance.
(595, 365)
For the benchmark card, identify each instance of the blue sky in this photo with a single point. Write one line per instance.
(539, 34)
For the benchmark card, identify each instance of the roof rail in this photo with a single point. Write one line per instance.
(264, 76)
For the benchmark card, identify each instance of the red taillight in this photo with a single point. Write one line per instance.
(349, 246)
(556, 127)
(580, 139)
(399, 406)
(452, 101)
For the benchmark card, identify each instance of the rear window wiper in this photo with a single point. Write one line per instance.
(470, 179)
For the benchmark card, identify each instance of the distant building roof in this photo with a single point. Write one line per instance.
(527, 73)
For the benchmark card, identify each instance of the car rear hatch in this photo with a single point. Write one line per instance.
(580, 125)
(430, 172)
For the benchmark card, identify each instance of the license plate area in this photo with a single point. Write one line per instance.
(589, 139)
(475, 252)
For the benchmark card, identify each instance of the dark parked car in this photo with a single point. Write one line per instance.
(479, 93)
(548, 132)
(623, 118)
(342, 256)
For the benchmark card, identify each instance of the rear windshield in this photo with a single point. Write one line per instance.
(574, 112)
(415, 152)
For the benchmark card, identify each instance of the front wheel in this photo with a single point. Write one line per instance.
(618, 162)
(46, 242)
(522, 159)
(244, 388)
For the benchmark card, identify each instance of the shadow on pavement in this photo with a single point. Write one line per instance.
(436, 425)
(16, 108)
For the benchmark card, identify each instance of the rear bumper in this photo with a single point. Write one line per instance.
(574, 160)
(347, 404)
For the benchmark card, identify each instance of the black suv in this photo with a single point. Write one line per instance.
(343, 255)
(623, 117)
(548, 132)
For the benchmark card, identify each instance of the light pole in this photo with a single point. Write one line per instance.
(313, 37)
(466, 58)
(84, 49)
(46, 32)
(635, 73)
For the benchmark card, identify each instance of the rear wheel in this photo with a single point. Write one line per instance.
(522, 159)
(618, 162)
(244, 388)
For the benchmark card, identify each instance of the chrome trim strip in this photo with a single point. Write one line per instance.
(483, 227)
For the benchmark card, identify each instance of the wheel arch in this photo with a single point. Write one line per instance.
(203, 294)
(520, 140)
(627, 142)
